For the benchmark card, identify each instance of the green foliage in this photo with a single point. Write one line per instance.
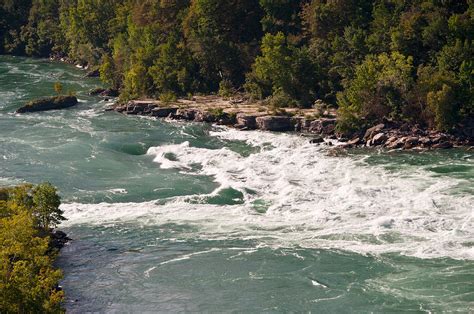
(282, 69)
(379, 89)
(168, 97)
(226, 89)
(441, 103)
(28, 280)
(301, 50)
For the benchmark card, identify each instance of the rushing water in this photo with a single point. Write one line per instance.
(169, 216)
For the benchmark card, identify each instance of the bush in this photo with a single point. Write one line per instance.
(168, 97)
(226, 89)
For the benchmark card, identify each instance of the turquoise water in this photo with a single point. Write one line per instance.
(183, 217)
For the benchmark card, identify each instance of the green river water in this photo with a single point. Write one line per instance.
(187, 217)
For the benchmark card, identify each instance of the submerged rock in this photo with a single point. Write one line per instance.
(51, 103)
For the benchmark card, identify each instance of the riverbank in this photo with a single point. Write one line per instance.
(319, 124)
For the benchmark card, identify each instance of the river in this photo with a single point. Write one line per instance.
(189, 217)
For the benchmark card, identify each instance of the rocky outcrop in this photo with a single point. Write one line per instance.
(163, 112)
(109, 92)
(58, 239)
(389, 134)
(274, 123)
(323, 126)
(392, 136)
(51, 103)
(246, 121)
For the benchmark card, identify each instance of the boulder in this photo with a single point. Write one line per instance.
(110, 92)
(163, 112)
(93, 73)
(51, 103)
(96, 91)
(355, 141)
(274, 123)
(443, 145)
(410, 142)
(204, 116)
(379, 139)
(317, 140)
(186, 114)
(245, 121)
(373, 130)
(323, 126)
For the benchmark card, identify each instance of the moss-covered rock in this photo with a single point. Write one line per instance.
(50, 103)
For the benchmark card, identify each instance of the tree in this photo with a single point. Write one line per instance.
(380, 88)
(283, 69)
(46, 206)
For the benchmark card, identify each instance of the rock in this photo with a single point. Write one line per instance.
(317, 140)
(439, 138)
(58, 239)
(226, 119)
(274, 123)
(425, 141)
(390, 140)
(93, 73)
(373, 130)
(163, 112)
(395, 142)
(96, 91)
(355, 141)
(379, 139)
(51, 103)
(325, 126)
(110, 92)
(305, 125)
(204, 116)
(186, 114)
(245, 121)
(443, 145)
(405, 127)
(410, 142)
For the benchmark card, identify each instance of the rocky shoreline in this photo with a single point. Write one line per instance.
(321, 127)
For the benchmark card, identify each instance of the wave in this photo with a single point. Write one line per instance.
(295, 194)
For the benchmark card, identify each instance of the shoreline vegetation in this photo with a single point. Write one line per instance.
(320, 124)
(29, 244)
(403, 64)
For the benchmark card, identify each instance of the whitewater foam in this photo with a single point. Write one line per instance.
(314, 200)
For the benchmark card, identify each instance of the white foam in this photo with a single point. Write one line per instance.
(314, 200)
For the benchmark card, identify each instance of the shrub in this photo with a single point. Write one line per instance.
(226, 89)
(168, 97)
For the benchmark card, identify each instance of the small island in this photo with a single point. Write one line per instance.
(49, 103)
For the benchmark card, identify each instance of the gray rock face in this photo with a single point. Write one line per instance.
(51, 103)
(274, 123)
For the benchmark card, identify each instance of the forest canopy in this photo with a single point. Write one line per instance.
(399, 59)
